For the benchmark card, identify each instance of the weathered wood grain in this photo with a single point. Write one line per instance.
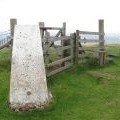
(58, 70)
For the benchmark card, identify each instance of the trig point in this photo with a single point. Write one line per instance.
(28, 86)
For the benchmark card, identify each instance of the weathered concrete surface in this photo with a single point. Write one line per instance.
(28, 87)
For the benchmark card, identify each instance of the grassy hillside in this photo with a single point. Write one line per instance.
(84, 92)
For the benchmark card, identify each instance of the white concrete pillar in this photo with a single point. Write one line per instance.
(28, 86)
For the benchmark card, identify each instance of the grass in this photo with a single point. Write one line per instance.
(113, 49)
(83, 92)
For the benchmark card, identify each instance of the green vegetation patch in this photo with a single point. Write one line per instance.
(83, 92)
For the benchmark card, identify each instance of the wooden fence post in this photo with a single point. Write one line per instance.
(72, 47)
(64, 29)
(63, 42)
(41, 25)
(101, 44)
(13, 22)
(77, 46)
(46, 55)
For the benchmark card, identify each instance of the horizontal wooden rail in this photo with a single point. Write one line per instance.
(91, 33)
(58, 61)
(59, 38)
(58, 70)
(51, 28)
(90, 40)
(52, 39)
(65, 48)
(93, 48)
(86, 56)
(58, 48)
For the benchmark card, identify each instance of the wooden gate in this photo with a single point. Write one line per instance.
(58, 50)
(71, 49)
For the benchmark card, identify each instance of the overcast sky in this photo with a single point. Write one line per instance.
(78, 14)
